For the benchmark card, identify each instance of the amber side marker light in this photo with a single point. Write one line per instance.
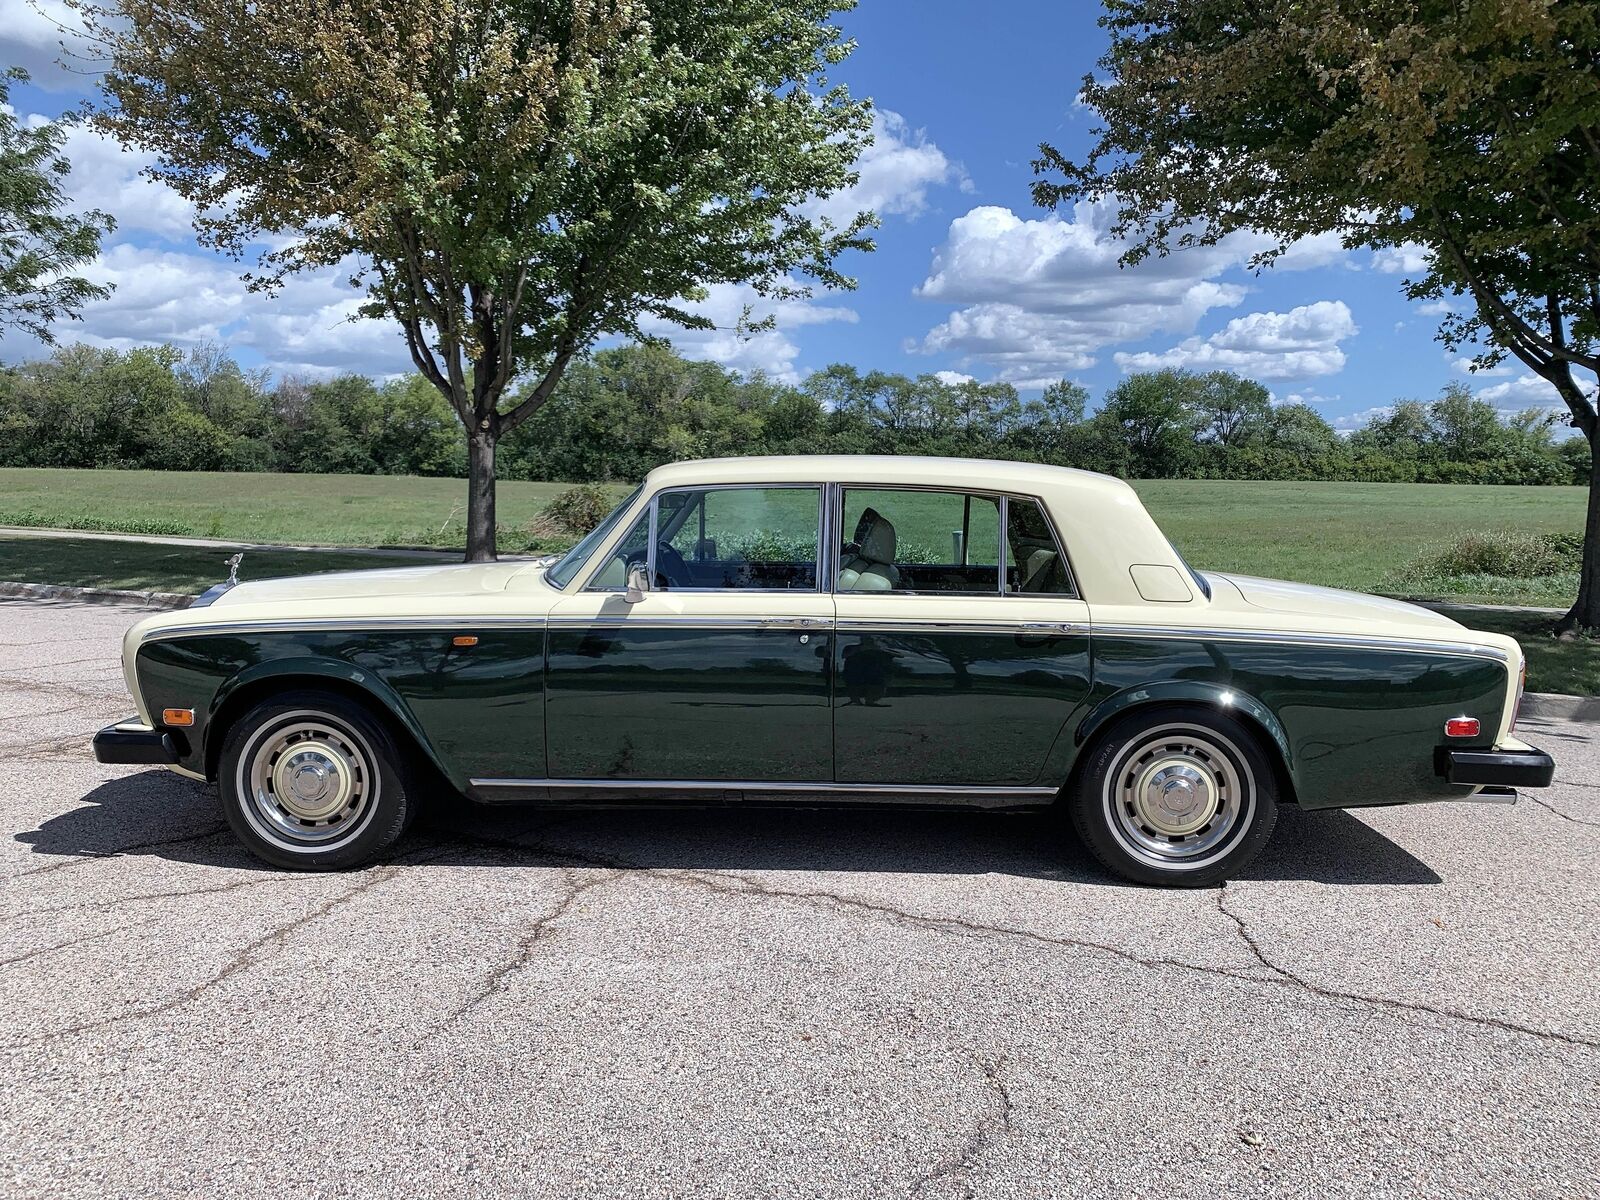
(177, 716)
(465, 639)
(1461, 727)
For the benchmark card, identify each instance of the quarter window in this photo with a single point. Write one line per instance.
(1034, 562)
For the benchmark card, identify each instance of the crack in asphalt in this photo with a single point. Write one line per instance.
(1548, 807)
(992, 1124)
(733, 883)
(143, 897)
(249, 955)
(1300, 982)
(77, 941)
(496, 980)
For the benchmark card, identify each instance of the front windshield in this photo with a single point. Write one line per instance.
(561, 574)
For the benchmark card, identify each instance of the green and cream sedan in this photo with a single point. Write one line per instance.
(829, 630)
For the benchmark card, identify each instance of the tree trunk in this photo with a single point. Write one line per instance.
(480, 495)
(1585, 613)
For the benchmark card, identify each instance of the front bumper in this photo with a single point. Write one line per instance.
(1516, 765)
(132, 742)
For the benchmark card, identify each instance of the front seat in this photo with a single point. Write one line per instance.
(871, 568)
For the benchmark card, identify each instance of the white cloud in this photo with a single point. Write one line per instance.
(1298, 344)
(1435, 308)
(1525, 391)
(188, 298)
(1038, 298)
(1312, 398)
(771, 351)
(952, 378)
(895, 173)
(32, 36)
(1350, 422)
(107, 177)
(1406, 259)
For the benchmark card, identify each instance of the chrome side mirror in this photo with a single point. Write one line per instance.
(638, 582)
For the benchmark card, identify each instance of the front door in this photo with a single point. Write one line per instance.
(720, 672)
(959, 655)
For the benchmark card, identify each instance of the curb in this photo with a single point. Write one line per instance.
(1552, 706)
(197, 543)
(89, 595)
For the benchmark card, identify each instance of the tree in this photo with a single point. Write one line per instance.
(1462, 134)
(40, 245)
(1155, 414)
(1232, 409)
(509, 180)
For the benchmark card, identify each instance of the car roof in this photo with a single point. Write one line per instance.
(975, 473)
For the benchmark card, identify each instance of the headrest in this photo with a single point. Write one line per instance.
(875, 536)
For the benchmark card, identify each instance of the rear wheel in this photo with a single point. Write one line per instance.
(313, 781)
(1176, 796)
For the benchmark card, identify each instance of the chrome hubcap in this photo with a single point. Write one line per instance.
(1178, 797)
(307, 783)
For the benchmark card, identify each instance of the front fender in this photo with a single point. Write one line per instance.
(236, 690)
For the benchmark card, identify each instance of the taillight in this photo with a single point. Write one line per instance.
(1461, 727)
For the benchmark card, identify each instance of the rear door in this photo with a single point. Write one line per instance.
(960, 661)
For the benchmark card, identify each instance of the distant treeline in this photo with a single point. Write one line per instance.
(627, 410)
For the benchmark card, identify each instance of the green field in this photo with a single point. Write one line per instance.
(1350, 535)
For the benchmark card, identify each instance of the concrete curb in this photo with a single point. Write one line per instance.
(1552, 706)
(88, 595)
(102, 535)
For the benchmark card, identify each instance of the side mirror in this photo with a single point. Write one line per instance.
(638, 582)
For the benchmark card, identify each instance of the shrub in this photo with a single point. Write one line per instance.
(1506, 552)
(574, 512)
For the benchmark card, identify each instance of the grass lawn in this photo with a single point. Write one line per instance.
(142, 567)
(315, 510)
(1352, 535)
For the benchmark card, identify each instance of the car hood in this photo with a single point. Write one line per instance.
(446, 579)
(1309, 600)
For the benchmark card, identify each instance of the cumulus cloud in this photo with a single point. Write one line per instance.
(107, 177)
(895, 173)
(40, 36)
(1298, 344)
(952, 378)
(1351, 422)
(1311, 398)
(771, 351)
(1038, 298)
(1525, 391)
(1407, 259)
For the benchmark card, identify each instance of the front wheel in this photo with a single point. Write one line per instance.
(313, 781)
(1176, 797)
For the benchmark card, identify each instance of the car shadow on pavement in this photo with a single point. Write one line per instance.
(157, 813)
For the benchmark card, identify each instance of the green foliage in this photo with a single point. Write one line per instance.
(768, 545)
(40, 246)
(574, 512)
(621, 413)
(1501, 560)
(149, 526)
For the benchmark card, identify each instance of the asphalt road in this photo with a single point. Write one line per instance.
(1400, 1003)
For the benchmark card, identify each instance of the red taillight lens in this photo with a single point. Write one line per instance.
(1461, 727)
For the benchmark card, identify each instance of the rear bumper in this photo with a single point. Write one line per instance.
(131, 742)
(1520, 767)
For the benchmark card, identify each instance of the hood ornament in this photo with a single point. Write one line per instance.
(233, 568)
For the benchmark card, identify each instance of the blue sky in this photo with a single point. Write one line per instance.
(968, 278)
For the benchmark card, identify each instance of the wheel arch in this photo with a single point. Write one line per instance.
(254, 684)
(1199, 696)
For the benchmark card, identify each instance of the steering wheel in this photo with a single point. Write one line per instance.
(671, 570)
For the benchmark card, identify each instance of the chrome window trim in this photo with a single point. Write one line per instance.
(653, 537)
(1002, 501)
